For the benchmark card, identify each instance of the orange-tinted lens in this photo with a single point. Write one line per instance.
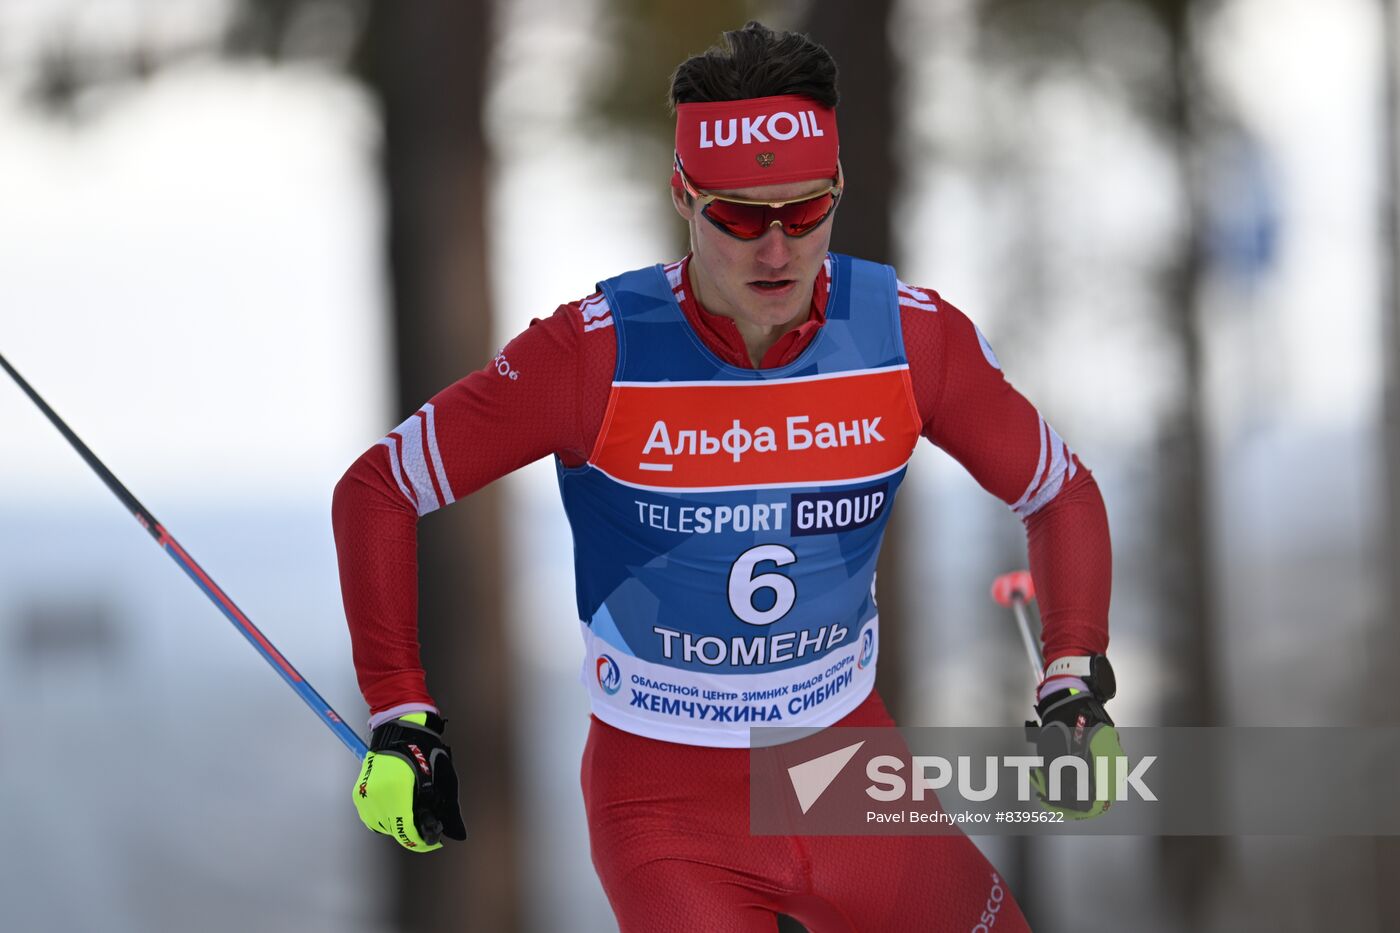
(749, 221)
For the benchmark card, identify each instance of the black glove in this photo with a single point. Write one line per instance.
(1073, 722)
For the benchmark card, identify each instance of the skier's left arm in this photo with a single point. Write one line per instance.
(972, 412)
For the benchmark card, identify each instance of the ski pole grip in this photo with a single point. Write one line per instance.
(1010, 588)
(429, 827)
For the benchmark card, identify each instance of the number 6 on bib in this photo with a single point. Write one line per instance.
(743, 585)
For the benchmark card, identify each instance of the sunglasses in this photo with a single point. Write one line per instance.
(749, 220)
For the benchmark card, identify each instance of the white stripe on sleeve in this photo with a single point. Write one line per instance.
(1046, 483)
(916, 297)
(414, 441)
(1039, 470)
(415, 465)
(437, 457)
(594, 307)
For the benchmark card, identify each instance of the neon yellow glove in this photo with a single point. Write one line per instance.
(407, 786)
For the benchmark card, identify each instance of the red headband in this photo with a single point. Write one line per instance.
(732, 144)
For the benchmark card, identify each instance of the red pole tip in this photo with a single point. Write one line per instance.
(1009, 587)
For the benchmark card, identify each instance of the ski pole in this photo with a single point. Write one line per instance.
(196, 573)
(1015, 589)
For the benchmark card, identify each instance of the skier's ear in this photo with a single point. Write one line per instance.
(683, 204)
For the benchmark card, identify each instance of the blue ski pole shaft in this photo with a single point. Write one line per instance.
(196, 573)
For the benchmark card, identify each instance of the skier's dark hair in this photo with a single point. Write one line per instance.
(756, 62)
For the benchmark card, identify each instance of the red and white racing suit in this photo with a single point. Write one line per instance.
(668, 821)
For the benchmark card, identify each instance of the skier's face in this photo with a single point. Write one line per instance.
(766, 282)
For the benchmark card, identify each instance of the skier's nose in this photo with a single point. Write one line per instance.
(774, 250)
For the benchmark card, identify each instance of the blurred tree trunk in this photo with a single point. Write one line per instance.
(427, 65)
(1185, 554)
(1185, 566)
(857, 35)
(1383, 699)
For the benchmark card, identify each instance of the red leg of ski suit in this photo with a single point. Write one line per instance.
(669, 829)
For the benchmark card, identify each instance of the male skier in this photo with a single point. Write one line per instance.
(730, 431)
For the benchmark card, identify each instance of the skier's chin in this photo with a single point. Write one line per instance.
(769, 311)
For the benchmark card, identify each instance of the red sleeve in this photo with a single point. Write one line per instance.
(973, 413)
(543, 394)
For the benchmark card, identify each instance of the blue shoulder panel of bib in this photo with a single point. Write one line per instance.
(657, 344)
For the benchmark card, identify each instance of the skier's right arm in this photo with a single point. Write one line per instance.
(519, 407)
(522, 405)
